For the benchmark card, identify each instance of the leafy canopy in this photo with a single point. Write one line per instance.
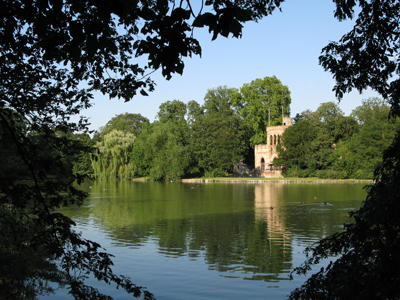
(262, 103)
(327, 144)
(127, 122)
(161, 151)
(112, 159)
(367, 264)
(217, 136)
(54, 54)
(367, 56)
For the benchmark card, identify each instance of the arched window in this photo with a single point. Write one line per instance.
(270, 140)
(279, 138)
(262, 164)
(274, 139)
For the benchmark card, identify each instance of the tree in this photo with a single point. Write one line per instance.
(367, 266)
(171, 156)
(82, 164)
(310, 142)
(11, 166)
(325, 118)
(328, 112)
(172, 110)
(345, 128)
(297, 118)
(337, 144)
(260, 103)
(194, 110)
(127, 122)
(376, 133)
(366, 57)
(217, 136)
(367, 250)
(219, 100)
(295, 149)
(112, 160)
(161, 151)
(51, 49)
(53, 56)
(371, 108)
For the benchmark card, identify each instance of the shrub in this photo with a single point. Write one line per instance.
(214, 173)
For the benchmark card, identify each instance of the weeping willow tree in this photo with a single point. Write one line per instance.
(112, 159)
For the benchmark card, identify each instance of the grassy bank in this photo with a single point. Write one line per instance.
(252, 179)
(288, 179)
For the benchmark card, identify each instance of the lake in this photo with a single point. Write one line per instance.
(211, 240)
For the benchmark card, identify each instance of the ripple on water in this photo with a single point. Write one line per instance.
(222, 243)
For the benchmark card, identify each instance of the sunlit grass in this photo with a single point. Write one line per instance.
(229, 178)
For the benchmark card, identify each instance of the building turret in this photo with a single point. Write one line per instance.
(265, 154)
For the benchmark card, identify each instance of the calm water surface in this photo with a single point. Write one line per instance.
(211, 240)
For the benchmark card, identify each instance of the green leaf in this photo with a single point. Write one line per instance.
(206, 19)
(180, 14)
(235, 28)
(147, 14)
(143, 92)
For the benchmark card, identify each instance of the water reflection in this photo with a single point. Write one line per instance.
(268, 208)
(244, 231)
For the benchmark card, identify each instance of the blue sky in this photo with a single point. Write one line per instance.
(286, 44)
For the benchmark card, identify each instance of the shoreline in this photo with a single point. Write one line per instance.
(261, 180)
(280, 180)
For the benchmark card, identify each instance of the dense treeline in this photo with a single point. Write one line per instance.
(54, 56)
(191, 139)
(15, 167)
(206, 140)
(327, 144)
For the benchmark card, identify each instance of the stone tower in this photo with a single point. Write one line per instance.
(265, 154)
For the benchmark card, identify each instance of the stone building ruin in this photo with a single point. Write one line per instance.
(265, 154)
